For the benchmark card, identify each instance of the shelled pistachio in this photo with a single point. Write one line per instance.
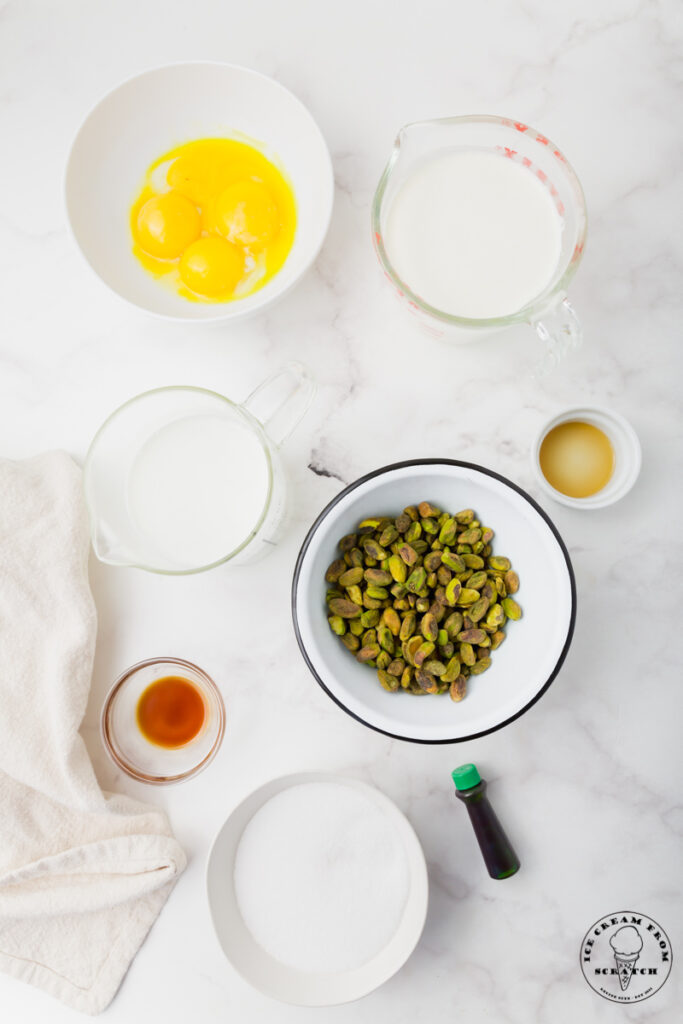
(421, 598)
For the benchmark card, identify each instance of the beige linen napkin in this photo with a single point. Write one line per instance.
(83, 874)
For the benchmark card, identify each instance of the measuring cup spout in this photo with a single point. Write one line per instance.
(107, 547)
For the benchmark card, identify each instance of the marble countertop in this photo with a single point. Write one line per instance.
(586, 781)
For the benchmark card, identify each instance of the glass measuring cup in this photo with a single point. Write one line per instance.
(260, 425)
(550, 313)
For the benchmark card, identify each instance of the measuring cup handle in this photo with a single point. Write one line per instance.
(282, 400)
(560, 331)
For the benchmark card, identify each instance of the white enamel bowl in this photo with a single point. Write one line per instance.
(523, 666)
(259, 968)
(149, 114)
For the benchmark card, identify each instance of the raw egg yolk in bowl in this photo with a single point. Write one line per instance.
(214, 220)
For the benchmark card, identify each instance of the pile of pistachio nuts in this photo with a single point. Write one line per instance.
(422, 599)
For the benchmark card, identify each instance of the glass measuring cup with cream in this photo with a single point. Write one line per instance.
(181, 479)
(479, 222)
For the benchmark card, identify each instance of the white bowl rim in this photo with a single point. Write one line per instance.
(234, 314)
(419, 877)
(434, 462)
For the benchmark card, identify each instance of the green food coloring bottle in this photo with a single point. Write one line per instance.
(501, 860)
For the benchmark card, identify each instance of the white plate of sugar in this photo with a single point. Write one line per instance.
(318, 889)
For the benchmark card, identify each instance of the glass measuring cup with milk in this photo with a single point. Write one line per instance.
(181, 479)
(479, 222)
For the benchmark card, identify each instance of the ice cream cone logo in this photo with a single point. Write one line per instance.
(627, 944)
(626, 956)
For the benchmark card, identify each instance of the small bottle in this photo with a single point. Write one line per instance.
(501, 859)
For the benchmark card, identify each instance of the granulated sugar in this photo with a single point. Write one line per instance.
(321, 877)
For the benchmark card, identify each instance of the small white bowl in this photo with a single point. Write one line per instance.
(149, 114)
(627, 455)
(259, 968)
(522, 668)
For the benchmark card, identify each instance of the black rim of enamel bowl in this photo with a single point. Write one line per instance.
(434, 462)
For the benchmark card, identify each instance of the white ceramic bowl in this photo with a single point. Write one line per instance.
(149, 114)
(523, 667)
(627, 455)
(259, 968)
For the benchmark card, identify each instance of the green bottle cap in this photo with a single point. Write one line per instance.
(466, 776)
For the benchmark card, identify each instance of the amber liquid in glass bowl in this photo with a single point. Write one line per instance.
(171, 712)
(163, 720)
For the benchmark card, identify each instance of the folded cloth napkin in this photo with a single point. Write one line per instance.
(83, 874)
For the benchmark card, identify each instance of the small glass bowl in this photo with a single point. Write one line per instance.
(137, 756)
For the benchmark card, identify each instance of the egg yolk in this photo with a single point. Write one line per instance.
(247, 214)
(194, 177)
(214, 219)
(211, 267)
(167, 224)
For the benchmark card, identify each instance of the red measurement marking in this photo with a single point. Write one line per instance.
(542, 139)
(526, 161)
(559, 155)
(553, 191)
(541, 175)
(560, 208)
(510, 152)
(413, 305)
(521, 127)
(378, 238)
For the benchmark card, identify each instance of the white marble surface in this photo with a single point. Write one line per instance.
(586, 781)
